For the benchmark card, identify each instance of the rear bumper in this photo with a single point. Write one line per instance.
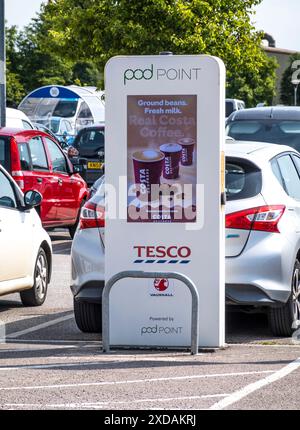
(90, 292)
(87, 257)
(89, 175)
(262, 274)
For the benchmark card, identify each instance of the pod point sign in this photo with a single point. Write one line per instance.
(164, 140)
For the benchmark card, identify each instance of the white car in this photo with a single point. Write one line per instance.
(25, 247)
(262, 239)
(17, 119)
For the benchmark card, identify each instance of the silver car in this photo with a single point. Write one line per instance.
(262, 239)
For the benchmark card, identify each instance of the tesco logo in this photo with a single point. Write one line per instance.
(162, 251)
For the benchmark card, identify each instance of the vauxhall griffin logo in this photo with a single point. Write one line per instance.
(138, 74)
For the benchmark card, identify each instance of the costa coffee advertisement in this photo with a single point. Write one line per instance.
(162, 162)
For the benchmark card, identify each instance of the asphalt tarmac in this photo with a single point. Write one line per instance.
(47, 363)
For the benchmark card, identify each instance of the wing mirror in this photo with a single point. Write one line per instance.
(72, 152)
(32, 199)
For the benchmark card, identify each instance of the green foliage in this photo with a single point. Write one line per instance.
(95, 30)
(31, 65)
(71, 40)
(287, 88)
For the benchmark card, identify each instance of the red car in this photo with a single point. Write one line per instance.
(36, 162)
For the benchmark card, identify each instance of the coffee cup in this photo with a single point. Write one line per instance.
(148, 166)
(187, 154)
(172, 152)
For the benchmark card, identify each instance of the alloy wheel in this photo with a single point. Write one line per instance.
(41, 277)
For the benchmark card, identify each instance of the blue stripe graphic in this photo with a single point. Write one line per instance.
(162, 261)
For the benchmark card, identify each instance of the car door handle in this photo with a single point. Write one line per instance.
(39, 180)
(60, 181)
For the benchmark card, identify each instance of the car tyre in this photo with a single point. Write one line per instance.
(73, 228)
(88, 316)
(36, 296)
(283, 320)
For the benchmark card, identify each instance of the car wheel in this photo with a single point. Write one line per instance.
(282, 320)
(73, 228)
(36, 296)
(88, 316)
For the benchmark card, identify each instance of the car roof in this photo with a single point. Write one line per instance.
(14, 132)
(95, 126)
(289, 113)
(256, 150)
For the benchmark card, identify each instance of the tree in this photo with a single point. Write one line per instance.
(287, 88)
(15, 90)
(30, 64)
(95, 30)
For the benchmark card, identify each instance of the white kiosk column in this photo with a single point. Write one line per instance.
(164, 144)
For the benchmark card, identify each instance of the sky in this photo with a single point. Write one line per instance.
(277, 17)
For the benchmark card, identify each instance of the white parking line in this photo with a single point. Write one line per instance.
(54, 365)
(33, 341)
(125, 382)
(101, 405)
(248, 389)
(39, 327)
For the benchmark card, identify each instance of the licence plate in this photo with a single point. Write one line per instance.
(93, 165)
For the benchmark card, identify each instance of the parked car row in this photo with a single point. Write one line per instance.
(36, 162)
(262, 214)
(262, 238)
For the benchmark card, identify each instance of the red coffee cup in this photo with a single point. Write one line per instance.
(148, 166)
(172, 152)
(187, 154)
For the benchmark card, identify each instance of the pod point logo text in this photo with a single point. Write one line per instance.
(161, 330)
(171, 74)
(138, 74)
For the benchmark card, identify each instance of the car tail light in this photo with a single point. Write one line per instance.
(19, 178)
(92, 216)
(263, 218)
(16, 171)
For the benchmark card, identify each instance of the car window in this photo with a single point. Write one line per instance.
(266, 130)
(26, 125)
(290, 176)
(277, 172)
(65, 108)
(58, 159)
(85, 112)
(38, 155)
(24, 156)
(63, 127)
(242, 178)
(296, 160)
(91, 138)
(4, 153)
(68, 127)
(7, 195)
(229, 108)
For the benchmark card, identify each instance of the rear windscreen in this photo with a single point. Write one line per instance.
(229, 108)
(266, 130)
(4, 153)
(89, 142)
(65, 108)
(242, 178)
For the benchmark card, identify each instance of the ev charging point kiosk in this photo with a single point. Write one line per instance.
(165, 178)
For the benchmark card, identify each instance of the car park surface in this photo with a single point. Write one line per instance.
(47, 363)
